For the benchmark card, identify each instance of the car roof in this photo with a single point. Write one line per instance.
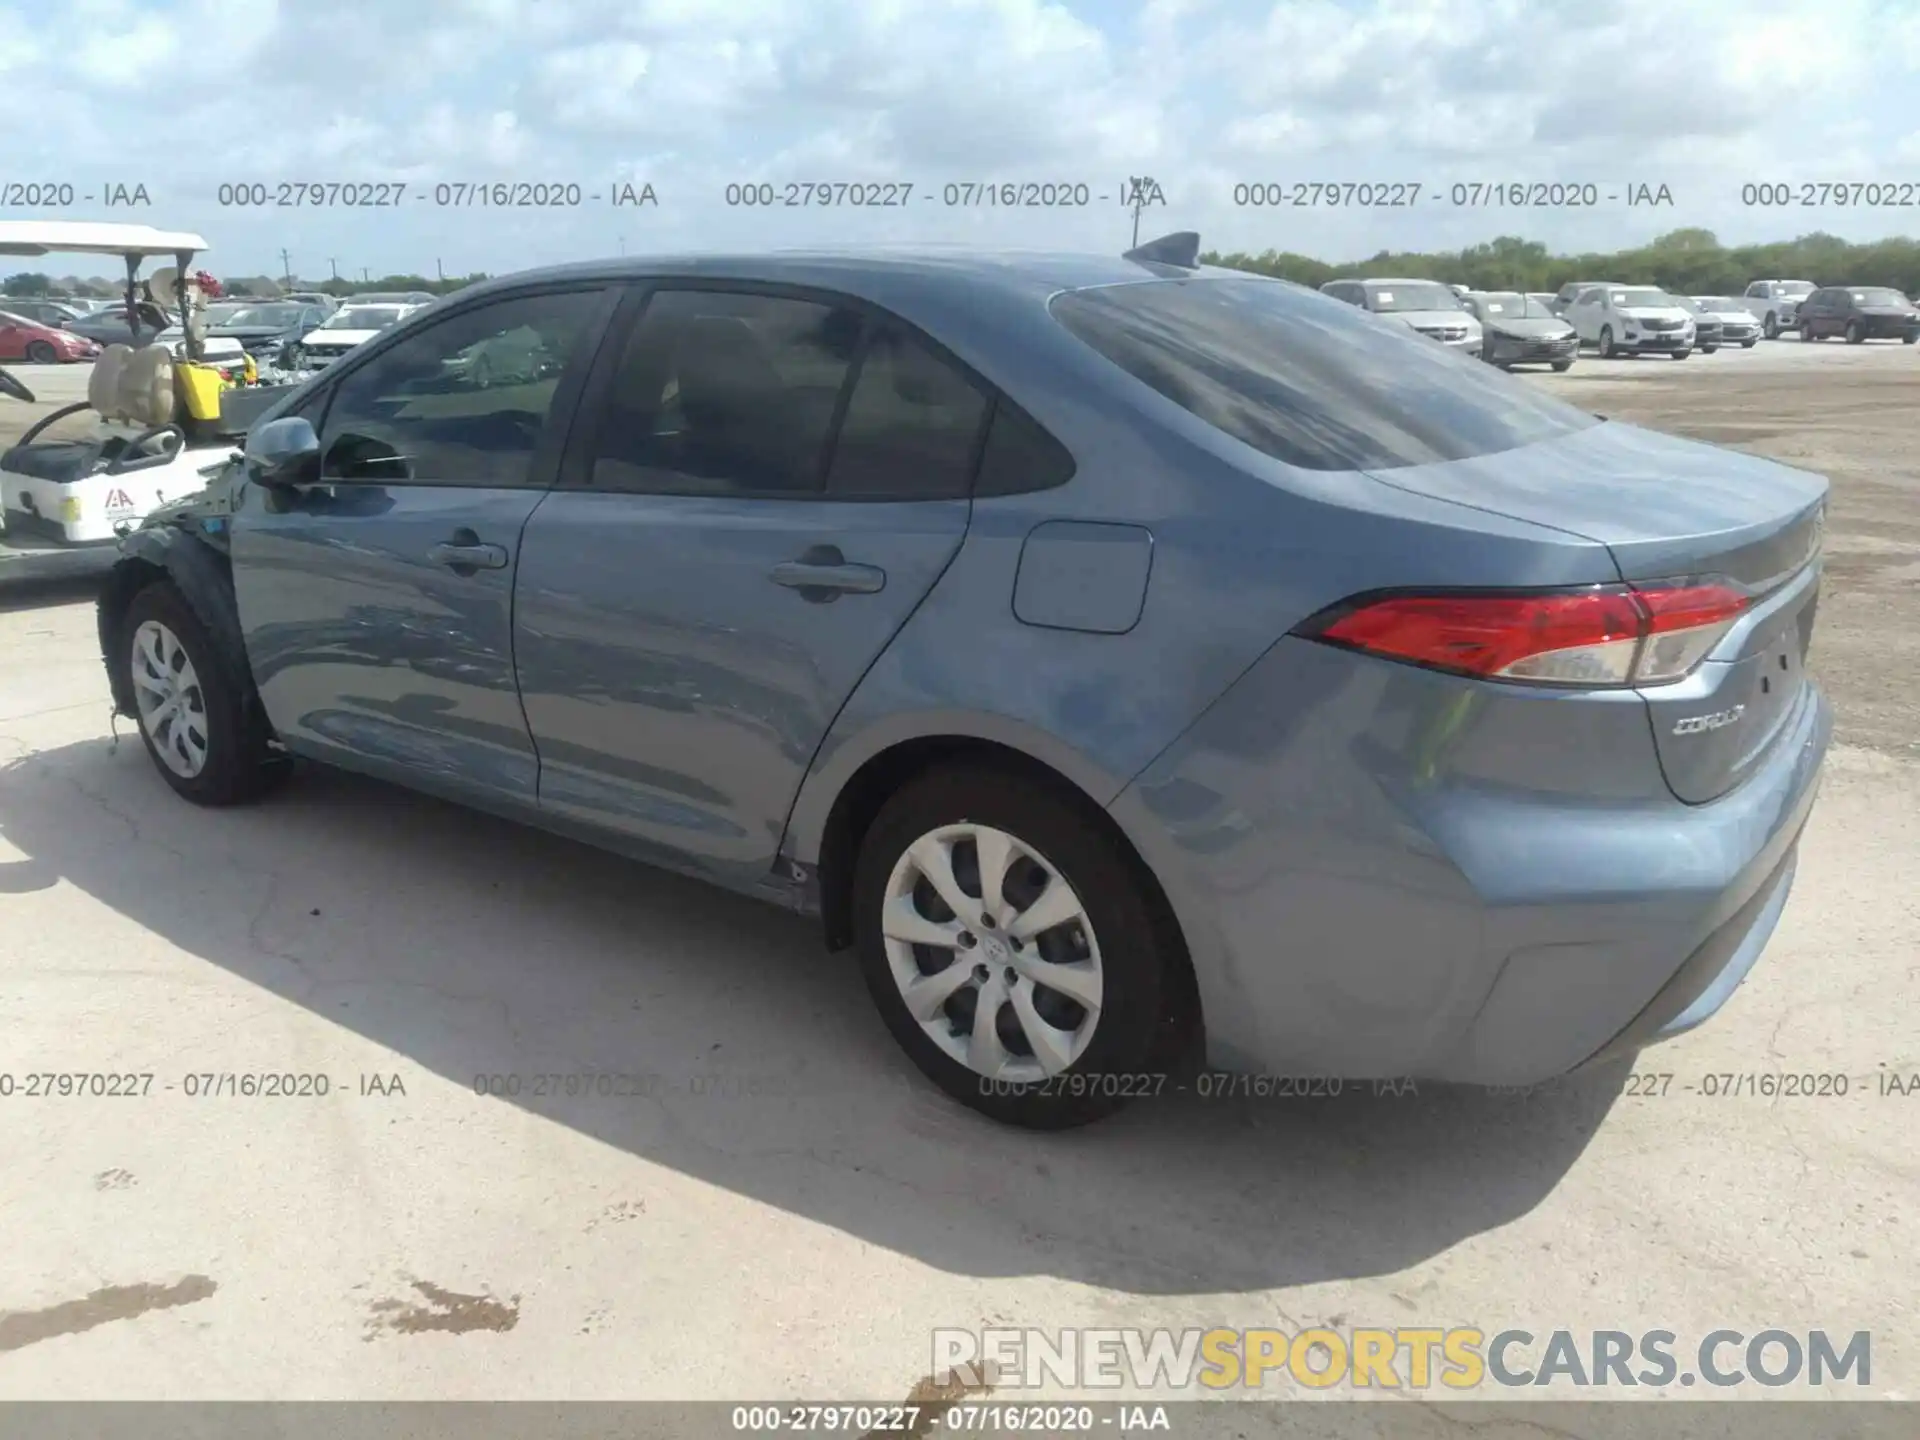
(882, 275)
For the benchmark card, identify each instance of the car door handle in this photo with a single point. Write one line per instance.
(468, 555)
(823, 572)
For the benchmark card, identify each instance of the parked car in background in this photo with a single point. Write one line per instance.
(1707, 330)
(24, 339)
(1520, 330)
(1737, 327)
(1544, 299)
(326, 303)
(1438, 759)
(41, 312)
(264, 330)
(1775, 303)
(1859, 312)
(1632, 320)
(351, 325)
(393, 297)
(109, 326)
(1564, 298)
(1425, 305)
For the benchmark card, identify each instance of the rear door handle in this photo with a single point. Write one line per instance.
(466, 554)
(823, 573)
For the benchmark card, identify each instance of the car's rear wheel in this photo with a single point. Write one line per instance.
(1855, 333)
(41, 352)
(1005, 939)
(198, 714)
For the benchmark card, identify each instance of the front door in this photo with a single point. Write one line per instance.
(769, 485)
(378, 604)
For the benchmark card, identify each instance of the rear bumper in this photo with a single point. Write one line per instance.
(1383, 873)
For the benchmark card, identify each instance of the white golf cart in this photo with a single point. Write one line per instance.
(165, 408)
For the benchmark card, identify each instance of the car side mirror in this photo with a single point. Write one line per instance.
(283, 454)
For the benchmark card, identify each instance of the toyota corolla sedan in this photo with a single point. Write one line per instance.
(1128, 660)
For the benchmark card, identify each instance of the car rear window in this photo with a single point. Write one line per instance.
(1307, 380)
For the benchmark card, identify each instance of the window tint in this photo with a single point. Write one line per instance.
(912, 426)
(1019, 456)
(420, 412)
(1308, 381)
(722, 393)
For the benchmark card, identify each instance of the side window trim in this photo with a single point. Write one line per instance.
(543, 466)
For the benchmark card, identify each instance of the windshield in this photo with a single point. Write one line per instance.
(1414, 295)
(1875, 295)
(1796, 287)
(1643, 299)
(362, 317)
(1310, 380)
(220, 313)
(1511, 305)
(1724, 304)
(280, 317)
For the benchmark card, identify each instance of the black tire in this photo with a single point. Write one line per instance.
(1560, 367)
(1748, 344)
(1806, 332)
(1606, 342)
(1909, 338)
(1708, 349)
(41, 352)
(1135, 950)
(1771, 325)
(1855, 334)
(241, 764)
(1681, 354)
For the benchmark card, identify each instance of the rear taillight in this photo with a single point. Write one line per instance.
(1603, 636)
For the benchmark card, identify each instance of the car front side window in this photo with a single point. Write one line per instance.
(416, 413)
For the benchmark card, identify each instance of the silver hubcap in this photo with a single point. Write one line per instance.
(173, 711)
(993, 953)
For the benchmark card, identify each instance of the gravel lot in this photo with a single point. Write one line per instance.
(792, 1211)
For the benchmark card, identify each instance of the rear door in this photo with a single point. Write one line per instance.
(764, 486)
(378, 605)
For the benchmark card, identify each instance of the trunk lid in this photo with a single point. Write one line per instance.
(1673, 509)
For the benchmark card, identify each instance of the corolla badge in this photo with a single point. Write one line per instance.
(1719, 720)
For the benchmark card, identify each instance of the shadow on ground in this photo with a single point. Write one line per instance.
(473, 947)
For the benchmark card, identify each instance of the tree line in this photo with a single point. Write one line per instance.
(34, 284)
(1691, 262)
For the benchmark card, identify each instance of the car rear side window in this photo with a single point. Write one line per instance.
(1020, 456)
(1310, 381)
(912, 426)
(725, 393)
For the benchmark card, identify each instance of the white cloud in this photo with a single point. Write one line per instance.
(690, 94)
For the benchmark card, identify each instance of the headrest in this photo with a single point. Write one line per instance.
(146, 387)
(103, 386)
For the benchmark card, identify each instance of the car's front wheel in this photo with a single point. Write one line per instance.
(1607, 351)
(1772, 326)
(1560, 367)
(1749, 344)
(1005, 938)
(198, 714)
(1855, 334)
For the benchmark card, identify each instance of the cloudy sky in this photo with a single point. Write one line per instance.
(690, 96)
